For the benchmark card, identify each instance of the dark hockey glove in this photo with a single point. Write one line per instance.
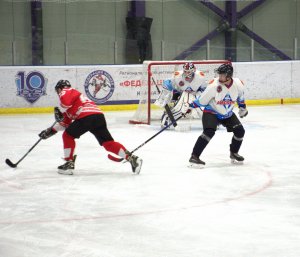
(243, 112)
(58, 114)
(49, 132)
(187, 109)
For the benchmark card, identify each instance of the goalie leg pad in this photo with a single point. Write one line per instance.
(164, 120)
(184, 100)
(164, 98)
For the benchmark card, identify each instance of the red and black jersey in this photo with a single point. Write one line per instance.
(75, 106)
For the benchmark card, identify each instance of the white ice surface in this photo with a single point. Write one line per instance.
(169, 210)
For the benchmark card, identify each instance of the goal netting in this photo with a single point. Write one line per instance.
(154, 73)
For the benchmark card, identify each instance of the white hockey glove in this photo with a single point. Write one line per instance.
(164, 98)
(186, 109)
(243, 112)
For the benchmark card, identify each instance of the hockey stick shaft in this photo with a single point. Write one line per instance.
(14, 165)
(141, 145)
(155, 135)
(167, 107)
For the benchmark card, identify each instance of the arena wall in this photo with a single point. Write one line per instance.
(30, 89)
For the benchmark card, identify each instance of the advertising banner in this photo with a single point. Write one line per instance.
(33, 86)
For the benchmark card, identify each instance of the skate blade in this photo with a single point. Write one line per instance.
(195, 166)
(234, 161)
(65, 172)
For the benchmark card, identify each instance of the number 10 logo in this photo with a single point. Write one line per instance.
(32, 86)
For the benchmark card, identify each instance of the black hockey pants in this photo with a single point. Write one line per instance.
(210, 123)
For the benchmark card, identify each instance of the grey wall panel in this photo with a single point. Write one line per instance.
(6, 33)
(89, 29)
(297, 28)
(275, 22)
(121, 31)
(180, 24)
(243, 47)
(54, 22)
(22, 18)
(92, 30)
(21, 30)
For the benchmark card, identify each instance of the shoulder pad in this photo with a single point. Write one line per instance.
(239, 82)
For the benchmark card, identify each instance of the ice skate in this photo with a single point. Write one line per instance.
(195, 162)
(136, 163)
(68, 167)
(236, 158)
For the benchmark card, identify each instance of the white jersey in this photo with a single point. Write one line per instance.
(179, 83)
(220, 99)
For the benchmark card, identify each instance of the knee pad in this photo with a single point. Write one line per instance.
(208, 134)
(239, 131)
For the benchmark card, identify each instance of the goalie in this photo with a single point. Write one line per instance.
(182, 89)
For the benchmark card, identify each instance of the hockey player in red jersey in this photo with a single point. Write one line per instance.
(78, 116)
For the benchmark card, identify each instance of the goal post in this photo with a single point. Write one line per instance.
(154, 73)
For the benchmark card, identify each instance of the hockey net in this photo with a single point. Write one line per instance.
(153, 75)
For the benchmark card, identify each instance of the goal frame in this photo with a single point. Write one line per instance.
(164, 63)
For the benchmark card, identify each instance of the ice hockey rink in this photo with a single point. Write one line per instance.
(169, 210)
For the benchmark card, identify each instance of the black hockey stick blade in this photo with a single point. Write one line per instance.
(10, 164)
(14, 165)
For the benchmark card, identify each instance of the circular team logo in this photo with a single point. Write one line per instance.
(219, 89)
(181, 83)
(99, 86)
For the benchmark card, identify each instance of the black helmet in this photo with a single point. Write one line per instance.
(61, 84)
(225, 69)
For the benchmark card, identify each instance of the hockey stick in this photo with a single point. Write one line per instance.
(116, 159)
(14, 165)
(167, 107)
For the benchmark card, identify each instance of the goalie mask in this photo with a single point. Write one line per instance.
(189, 70)
(62, 84)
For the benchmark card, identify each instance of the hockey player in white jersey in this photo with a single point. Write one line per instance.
(218, 101)
(188, 84)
